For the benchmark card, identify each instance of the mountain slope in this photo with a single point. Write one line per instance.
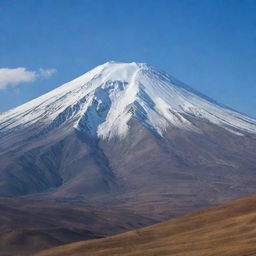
(127, 134)
(227, 230)
(28, 225)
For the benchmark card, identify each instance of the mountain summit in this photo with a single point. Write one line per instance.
(130, 135)
(103, 101)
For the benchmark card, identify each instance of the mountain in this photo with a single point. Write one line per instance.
(129, 135)
(227, 230)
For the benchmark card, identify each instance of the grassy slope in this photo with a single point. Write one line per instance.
(228, 230)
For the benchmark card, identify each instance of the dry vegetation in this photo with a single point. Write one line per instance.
(228, 230)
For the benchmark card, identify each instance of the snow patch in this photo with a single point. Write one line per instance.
(102, 101)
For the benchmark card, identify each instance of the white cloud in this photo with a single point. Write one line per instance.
(14, 76)
(46, 73)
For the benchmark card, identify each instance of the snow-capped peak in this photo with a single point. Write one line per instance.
(102, 101)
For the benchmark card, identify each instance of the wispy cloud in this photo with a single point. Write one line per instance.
(46, 73)
(14, 76)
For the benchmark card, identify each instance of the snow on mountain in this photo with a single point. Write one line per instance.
(102, 101)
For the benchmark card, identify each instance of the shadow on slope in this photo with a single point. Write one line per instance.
(28, 226)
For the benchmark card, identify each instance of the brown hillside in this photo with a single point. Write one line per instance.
(228, 230)
(28, 226)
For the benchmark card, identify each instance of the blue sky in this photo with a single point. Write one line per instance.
(208, 44)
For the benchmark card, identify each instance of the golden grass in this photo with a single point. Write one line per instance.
(228, 230)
